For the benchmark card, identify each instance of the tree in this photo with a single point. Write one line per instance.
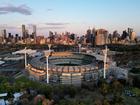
(98, 102)
(118, 100)
(117, 87)
(106, 102)
(104, 89)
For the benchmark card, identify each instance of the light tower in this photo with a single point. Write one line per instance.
(105, 60)
(47, 54)
(79, 45)
(25, 57)
(49, 45)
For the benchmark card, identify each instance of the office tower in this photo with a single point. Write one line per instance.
(9, 35)
(72, 36)
(1, 40)
(4, 34)
(89, 31)
(16, 38)
(101, 37)
(130, 30)
(24, 33)
(51, 36)
(55, 33)
(110, 38)
(88, 36)
(124, 35)
(93, 31)
(115, 36)
(34, 33)
(132, 34)
(9, 38)
(94, 35)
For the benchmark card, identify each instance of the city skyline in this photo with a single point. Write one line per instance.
(71, 15)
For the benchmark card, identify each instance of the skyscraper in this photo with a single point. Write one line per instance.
(89, 31)
(34, 33)
(88, 36)
(133, 37)
(4, 34)
(101, 37)
(132, 34)
(130, 30)
(93, 31)
(24, 32)
(94, 35)
(51, 36)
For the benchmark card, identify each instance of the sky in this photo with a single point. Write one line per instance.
(75, 16)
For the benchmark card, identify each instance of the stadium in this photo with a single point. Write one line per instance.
(65, 68)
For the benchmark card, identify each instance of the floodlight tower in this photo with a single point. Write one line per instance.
(25, 57)
(105, 61)
(47, 54)
(79, 45)
(49, 45)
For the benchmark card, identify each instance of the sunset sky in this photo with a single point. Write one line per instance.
(70, 15)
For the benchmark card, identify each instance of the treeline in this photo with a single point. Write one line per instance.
(66, 94)
(15, 47)
(124, 48)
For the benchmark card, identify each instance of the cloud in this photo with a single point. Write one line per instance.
(43, 28)
(6, 26)
(48, 10)
(22, 9)
(2, 12)
(29, 26)
(56, 24)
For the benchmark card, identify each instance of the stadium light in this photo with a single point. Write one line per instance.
(47, 53)
(105, 60)
(79, 45)
(25, 57)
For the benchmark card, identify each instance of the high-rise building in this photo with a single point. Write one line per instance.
(51, 36)
(93, 31)
(16, 38)
(132, 34)
(4, 34)
(94, 35)
(130, 30)
(90, 37)
(101, 37)
(88, 31)
(115, 36)
(24, 33)
(34, 33)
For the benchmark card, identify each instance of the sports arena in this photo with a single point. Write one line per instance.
(65, 67)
